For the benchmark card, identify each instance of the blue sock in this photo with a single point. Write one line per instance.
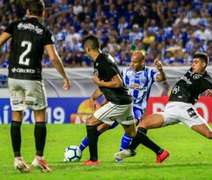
(126, 140)
(84, 142)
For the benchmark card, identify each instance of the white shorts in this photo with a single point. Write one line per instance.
(110, 112)
(176, 112)
(27, 94)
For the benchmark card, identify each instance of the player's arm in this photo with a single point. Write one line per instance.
(92, 101)
(4, 37)
(57, 63)
(115, 82)
(161, 76)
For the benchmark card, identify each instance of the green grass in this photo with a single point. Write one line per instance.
(190, 155)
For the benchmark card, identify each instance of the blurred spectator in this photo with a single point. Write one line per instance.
(167, 29)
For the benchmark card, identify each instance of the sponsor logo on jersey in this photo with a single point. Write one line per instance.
(137, 87)
(31, 27)
(21, 70)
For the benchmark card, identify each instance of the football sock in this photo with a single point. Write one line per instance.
(40, 137)
(126, 139)
(15, 132)
(114, 125)
(92, 142)
(141, 129)
(144, 139)
(84, 142)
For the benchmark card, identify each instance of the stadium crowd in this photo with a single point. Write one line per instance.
(171, 30)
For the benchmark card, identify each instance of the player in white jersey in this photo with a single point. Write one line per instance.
(139, 79)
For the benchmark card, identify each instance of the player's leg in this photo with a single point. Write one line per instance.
(152, 121)
(100, 129)
(40, 132)
(17, 103)
(37, 101)
(15, 132)
(92, 135)
(126, 139)
(203, 129)
(105, 114)
(194, 120)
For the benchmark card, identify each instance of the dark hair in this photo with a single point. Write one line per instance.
(91, 41)
(36, 7)
(202, 56)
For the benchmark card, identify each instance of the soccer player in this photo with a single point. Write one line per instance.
(139, 79)
(119, 102)
(29, 38)
(180, 107)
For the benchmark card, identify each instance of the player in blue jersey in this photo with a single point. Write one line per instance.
(139, 79)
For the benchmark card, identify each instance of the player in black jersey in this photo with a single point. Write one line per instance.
(180, 107)
(119, 103)
(29, 38)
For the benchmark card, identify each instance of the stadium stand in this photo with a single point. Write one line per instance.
(171, 30)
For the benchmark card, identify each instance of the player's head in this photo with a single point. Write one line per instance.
(36, 8)
(91, 44)
(200, 62)
(137, 61)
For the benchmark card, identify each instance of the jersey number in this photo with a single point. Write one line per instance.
(22, 59)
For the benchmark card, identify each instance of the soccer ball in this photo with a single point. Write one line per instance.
(72, 154)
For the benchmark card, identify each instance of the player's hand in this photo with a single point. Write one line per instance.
(66, 84)
(158, 64)
(208, 92)
(92, 104)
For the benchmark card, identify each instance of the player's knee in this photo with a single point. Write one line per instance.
(132, 134)
(92, 121)
(209, 134)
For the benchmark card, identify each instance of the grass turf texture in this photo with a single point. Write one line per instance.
(190, 155)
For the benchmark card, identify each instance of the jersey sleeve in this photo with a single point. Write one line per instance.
(9, 28)
(154, 73)
(207, 83)
(48, 38)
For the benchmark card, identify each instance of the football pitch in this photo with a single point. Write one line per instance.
(190, 155)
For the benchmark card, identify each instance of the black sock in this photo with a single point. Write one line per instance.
(40, 137)
(92, 142)
(15, 133)
(144, 139)
(144, 130)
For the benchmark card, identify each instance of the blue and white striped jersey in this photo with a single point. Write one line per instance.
(139, 85)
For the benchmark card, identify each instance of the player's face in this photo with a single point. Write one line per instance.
(136, 64)
(198, 66)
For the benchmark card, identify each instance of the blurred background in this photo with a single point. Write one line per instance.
(171, 30)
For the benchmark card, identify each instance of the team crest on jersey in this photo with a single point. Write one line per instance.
(95, 72)
(53, 39)
(197, 76)
(129, 73)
